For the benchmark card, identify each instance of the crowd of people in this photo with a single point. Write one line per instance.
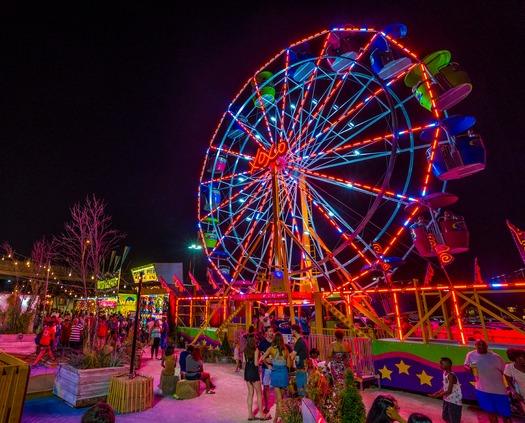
(269, 362)
(67, 332)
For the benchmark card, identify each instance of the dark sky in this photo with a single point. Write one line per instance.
(120, 100)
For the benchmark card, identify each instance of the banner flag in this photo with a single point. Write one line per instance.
(445, 258)
(519, 239)
(477, 272)
(178, 283)
(441, 250)
(125, 254)
(210, 279)
(428, 275)
(194, 281)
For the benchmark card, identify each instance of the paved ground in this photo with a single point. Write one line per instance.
(227, 406)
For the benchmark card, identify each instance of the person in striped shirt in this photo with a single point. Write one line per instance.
(75, 338)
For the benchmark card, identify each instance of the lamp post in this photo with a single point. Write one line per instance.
(194, 248)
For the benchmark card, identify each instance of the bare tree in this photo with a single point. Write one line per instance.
(87, 241)
(43, 255)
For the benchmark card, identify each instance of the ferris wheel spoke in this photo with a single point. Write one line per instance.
(333, 217)
(243, 224)
(307, 89)
(339, 141)
(355, 186)
(341, 113)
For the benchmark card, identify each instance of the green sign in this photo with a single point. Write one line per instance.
(107, 284)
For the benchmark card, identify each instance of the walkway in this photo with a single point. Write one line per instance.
(227, 406)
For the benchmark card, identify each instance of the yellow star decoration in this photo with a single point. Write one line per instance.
(385, 373)
(425, 379)
(402, 367)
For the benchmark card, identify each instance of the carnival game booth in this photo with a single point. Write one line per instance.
(157, 298)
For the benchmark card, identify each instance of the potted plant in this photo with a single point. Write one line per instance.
(84, 379)
(292, 411)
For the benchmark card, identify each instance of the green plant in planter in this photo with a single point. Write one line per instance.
(352, 407)
(317, 387)
(326, 398)
(90, 359)
(292, 411)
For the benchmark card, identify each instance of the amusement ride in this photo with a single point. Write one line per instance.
(328, 171)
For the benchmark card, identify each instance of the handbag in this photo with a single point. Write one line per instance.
(177, 371)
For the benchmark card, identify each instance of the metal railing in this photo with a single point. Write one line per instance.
(362, 357)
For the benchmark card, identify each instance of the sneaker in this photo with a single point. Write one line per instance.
(210, 392)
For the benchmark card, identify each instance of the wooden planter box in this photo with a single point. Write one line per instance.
(130, 395)
(81, 388)
(14, 375)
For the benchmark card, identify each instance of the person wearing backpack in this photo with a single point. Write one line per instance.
(46, 342)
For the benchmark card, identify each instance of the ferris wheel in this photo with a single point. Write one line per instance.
(309, 173)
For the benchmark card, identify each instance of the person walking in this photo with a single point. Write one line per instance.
(154, 339)
(278, 359)
(451, 393)
(165, 328)
(47, 341)
(488, 367)
(339, 357)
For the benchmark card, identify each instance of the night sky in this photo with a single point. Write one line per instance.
(120, 100)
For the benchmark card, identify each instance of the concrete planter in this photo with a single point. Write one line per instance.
(84, 387)
(310, 412)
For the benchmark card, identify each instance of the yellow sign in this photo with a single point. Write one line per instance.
(149, 273)
(127, 303)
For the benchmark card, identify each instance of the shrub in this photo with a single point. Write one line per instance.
(226, 350)
(352, 407)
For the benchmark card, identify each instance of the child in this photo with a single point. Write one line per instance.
(313, 363)
(237, 355)
(451, 393)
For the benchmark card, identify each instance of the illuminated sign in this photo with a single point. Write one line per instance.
(264, 159)
(107, 283)
(149, 273)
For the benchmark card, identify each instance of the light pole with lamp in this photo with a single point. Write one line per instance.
(194, 248)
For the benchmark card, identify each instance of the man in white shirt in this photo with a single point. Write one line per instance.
(487, 367)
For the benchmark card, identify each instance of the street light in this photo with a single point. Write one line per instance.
(194, 248)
